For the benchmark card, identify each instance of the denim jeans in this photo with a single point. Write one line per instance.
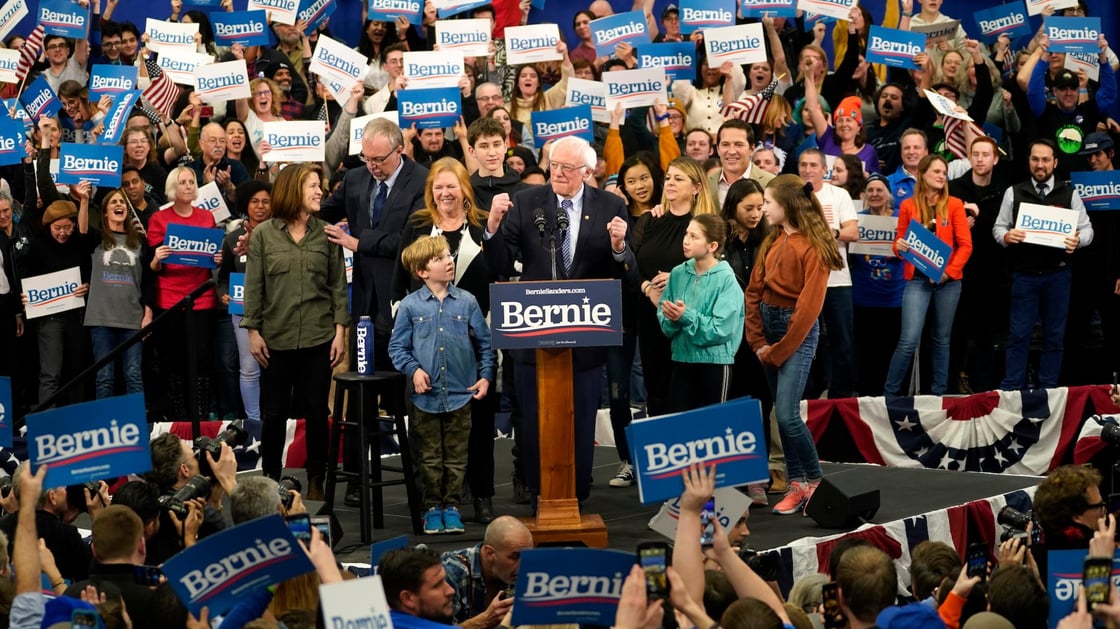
(225, 367)
(1034, 296)
(787, 383)
(104, 341)
(249, 372)
(916, 300)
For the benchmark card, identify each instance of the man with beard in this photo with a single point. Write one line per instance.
(417, 589)
(291, 107)
(427, 146)
(1040, 276)
(897, 109)
(984, 288)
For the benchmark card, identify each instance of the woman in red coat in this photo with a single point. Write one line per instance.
(934, 209)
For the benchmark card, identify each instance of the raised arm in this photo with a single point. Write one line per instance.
(688, 560)
(812, 98)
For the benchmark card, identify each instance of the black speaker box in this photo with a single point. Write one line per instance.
(839, 503)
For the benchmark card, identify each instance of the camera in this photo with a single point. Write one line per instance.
(1015, 524)
(765, 564)
(1110, 433)
(195, 487)
(5, 486)
(287, 483)
(234, 435)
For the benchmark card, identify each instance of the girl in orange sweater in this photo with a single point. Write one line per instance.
(784, 299)
(944, 215)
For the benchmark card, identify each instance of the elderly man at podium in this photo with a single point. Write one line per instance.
(590, 244)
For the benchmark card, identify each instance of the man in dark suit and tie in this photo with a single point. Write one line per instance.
(594, 246)
(376, 201)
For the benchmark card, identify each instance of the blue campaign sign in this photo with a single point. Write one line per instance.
(1006, 19)
(559, 123)
(237, 293)
(64, 18)
(434, 108)
(192, 246)
(1073, 34)
(707, 13)
(608, 32)
(728, 435)
(1098, 190)
(570, 586)
(377, 550)
(99, 165)
(928, 253)
(6, 411)
(11, 141)
(111, 80)
(83, 442)
(390, 10)
(315, 12)
(221, 569)
(38, 99)
(892, 47)
(678, 59)
(117, 117)
(773, 8)
(1064, 570)
(248, 28)
(574, 313)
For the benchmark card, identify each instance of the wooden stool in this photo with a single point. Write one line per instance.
(368, 424)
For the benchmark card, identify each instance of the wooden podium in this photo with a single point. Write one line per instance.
(558, 517)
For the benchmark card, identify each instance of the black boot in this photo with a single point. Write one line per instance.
(353, 497)
(520, 491)
(483, 510)
(315, 488)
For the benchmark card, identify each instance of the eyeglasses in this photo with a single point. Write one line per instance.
(136, 142)
(567, 168)
(496, 98)
(262, 92)
(676, 117)
(377, 161)
(58, 46)
(62, 229)
(110, 44)
(1100, 506)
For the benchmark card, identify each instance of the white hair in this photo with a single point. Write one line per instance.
(169, 188)
(580, 147)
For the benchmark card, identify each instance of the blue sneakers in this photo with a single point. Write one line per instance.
(433, 522)
(452, 523)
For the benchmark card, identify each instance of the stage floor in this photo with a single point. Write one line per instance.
(904, 493)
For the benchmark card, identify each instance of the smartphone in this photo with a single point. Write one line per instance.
(146, 575)
(830, 600)
(323, 523)
(1097, 581)
(206, 112)
(708, 522)
(507, 592)
(300, 526)
(977, 560)
(653, 557)
(84, 618)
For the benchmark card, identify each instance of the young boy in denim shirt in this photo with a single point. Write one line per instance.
(438, 331)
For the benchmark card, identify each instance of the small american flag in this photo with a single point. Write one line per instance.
(32, 48)
(751, 108)
(955, 139)
(322, 115)
(163, 92)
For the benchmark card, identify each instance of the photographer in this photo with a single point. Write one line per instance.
(62, 539)
(1068, 505)
(482, 574)
(258, 496)
(143, 498)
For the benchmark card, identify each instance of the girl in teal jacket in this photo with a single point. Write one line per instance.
(702, 313)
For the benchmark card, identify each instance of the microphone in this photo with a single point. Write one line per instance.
(538, 220)
(562, 220)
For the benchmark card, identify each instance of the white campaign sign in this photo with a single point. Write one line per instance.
(338, 63)
(170, 37)
(470, 38)
(295, 141)
(429, 68)
(939, 32)
(876, 236)
(1089, 63)
(1046, 225)
(9, 62)
(744, 43)
(730, 506)
(11, 14)
(221, 82)
(356, 603)
(180, 66)
(281, 11)
(52, 293)
(946, 107)
(1034, 7)
(838, 9)
(635, 88)
(594, 93)
(210, 198)
(532, 43)
(358, 127)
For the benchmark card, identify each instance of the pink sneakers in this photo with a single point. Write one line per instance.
(797, 496)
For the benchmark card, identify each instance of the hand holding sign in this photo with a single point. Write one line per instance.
(699, 486)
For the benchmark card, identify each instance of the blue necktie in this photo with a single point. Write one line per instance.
(377, 203)
(566, 207)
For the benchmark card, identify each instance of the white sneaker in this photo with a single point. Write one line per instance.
(624, 477)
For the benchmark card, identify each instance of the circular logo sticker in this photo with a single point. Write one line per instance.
(1069, 138)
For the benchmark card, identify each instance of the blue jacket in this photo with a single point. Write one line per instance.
(441, 338)
(711, 328)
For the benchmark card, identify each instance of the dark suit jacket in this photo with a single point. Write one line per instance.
(594, 258)
(376, 259)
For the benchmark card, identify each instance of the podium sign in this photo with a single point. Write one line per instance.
(561, 314)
